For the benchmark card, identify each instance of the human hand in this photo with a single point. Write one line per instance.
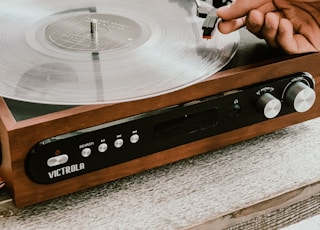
(293, 25)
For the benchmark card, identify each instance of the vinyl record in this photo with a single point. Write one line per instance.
(104, 51)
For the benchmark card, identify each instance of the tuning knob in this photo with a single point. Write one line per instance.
(269, 105)
(300, 96)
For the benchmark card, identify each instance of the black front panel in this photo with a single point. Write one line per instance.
(87, 150)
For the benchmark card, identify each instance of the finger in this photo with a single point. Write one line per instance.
(240, 8)
(290, 42)
(255, 22)
(236, 10)
(270, 29)
(226, 27)
(307, 23)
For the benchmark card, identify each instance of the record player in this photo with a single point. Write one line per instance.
(155, 97)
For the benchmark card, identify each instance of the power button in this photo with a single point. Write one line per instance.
(57, 160)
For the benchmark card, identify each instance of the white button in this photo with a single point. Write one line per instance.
(102, 147)
(86, 152)
(134, 138)
(57, 160)
(118, 143)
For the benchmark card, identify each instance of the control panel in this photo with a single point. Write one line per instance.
(86, 150)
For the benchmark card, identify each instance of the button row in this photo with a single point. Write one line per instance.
(103, 147)
(86, 152)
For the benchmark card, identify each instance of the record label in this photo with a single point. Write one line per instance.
(109, 32)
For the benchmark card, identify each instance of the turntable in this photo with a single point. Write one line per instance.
(105, 89)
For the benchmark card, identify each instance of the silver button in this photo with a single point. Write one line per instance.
(134, 138)
(57, 160)
(102, 147)
(86, 152)
(118, 143)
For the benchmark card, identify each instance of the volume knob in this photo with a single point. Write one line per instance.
(300, 96)
(269, 105)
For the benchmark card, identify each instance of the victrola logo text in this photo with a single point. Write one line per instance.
(66, 170)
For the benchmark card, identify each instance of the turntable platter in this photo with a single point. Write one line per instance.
(104, 51)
